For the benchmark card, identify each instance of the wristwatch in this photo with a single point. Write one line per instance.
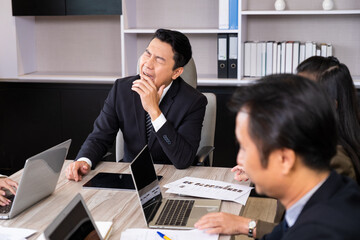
(252, 226)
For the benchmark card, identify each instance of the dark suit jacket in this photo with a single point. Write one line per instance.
(176, 142)
(341, 163)
(333, 212)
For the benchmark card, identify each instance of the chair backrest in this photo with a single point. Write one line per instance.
(189, 74)
(119, 146)
(208, 131)
(209, 124)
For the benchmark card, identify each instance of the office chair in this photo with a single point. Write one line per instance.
(204, 156)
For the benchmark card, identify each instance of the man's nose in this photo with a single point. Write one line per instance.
(149, 63)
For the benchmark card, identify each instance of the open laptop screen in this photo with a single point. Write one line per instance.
(146, 182)
(73, 223)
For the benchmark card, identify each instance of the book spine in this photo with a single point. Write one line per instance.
(283, 53)
(233, 14)
(269, 57)
(274, 62)
(247, 59)
(253, 59)
(288, 57)
(296, 52)
(223, 14)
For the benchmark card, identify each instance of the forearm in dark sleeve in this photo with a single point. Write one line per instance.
(103, 135)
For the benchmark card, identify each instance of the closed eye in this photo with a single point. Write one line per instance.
(160, 60)
(147, 53)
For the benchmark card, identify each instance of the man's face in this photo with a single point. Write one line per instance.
(157, 63)
(249, 158)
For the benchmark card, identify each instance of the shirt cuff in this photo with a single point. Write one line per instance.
(84, 159)
(159, 122)
(3, 176)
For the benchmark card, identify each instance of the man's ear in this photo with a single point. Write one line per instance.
(177, 72)
(288, 160)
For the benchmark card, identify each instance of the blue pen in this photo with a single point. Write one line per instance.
(163, 236)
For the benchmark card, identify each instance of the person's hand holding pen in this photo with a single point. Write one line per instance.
(163, 236)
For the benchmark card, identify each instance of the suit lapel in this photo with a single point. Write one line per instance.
(169, 97)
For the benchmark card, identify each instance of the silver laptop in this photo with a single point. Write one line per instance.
(39, 178)
(162, 212)
(73, 223)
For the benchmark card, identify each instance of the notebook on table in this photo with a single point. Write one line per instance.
(162, 212)
(39, 178)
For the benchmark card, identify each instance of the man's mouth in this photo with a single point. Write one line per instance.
(148, 75)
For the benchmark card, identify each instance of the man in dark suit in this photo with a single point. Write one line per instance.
(286, 129)
(158, 93)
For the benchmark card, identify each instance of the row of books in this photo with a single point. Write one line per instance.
(227, 55)
(270, 57)
(228, 14)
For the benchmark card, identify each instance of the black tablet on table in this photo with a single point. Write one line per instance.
(114, 181)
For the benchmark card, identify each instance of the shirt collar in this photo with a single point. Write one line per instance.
(294, 211)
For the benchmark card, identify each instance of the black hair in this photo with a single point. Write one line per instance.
(317, 65)
(179, 43)
(287, 111)
(336, 79)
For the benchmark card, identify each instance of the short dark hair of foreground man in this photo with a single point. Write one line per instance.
(286, 129)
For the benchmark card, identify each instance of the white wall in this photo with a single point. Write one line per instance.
(8, 55)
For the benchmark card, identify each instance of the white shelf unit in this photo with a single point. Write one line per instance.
(302, 12)
(82, 49)
(257, 21)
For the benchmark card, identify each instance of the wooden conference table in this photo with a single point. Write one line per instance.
(121, 207)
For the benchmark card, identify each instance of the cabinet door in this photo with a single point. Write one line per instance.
(38, 7)
(30, 122)
(93, 7)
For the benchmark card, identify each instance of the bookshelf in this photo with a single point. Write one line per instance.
(99, 49)
(302, 21)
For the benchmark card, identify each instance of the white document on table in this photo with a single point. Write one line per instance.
(151, 234)
(15, 233)
(105, 228)
(205, 188)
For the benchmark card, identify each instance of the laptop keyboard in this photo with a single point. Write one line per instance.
(6, 209)
(175, 213)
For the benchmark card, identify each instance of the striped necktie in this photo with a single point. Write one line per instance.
(148, 126)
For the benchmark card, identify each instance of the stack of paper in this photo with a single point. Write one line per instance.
(205, 188)
(151, 234)
(15, 233)
(105, 228)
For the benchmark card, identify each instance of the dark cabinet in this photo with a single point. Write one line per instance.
(38, 7)
(93, 7)
(36, 116)
(66, 7)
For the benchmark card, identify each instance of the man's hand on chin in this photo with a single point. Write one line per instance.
(149, 95)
